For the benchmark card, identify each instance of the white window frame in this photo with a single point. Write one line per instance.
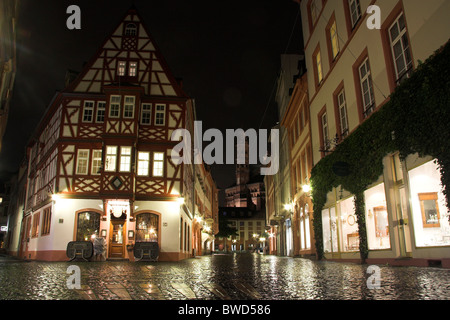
(88, 111)
(325, 133)
(125, 159)
(356, 11)
(130, 29)
(128, 107)
(111, 159)
(405, 48)
(342, 109)
(112, 103)
(82, 161)
(366, 78)
(143, 163)
(121, 68)
(160, 112)
(96, 161)
(101, 107)
(132, 68)
(148, 112)
(158, 164)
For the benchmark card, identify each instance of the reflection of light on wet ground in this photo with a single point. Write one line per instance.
(228, 276)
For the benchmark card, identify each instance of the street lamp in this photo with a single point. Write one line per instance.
(306, 188)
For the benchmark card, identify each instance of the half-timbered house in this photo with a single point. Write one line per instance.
(100, 161)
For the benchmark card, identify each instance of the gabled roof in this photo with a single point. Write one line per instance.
(153, 73)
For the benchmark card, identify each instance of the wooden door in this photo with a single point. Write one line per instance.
(117, 239)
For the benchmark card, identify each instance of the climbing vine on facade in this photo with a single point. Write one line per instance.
(416, 119)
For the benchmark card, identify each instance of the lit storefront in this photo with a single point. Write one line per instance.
(429, 212)
(423, 224)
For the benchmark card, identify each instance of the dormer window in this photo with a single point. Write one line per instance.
(131, 30)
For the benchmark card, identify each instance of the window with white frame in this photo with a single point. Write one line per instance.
(128, 107)
(101, 107)
(130, 29)
(132, 69)
(365, 79)
(111, 158)
(158, 164)
(160, 115)
(125, 159)
(400, 49)
(146, 113)
(88, 111)
(143, 163)
(342, 106)
(121, 68)
(114, 107)
(324, 125)
(82, 161)
(96, 161)
(355, 11)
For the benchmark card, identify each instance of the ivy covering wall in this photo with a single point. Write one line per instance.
(416, 119)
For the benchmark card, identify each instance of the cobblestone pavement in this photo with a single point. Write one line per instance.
(220, 277)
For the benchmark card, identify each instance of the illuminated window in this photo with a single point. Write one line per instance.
(334, 40)
(46, 220)
(121, 68)
(114, 107)
(143, 163)
(158, 164)
(82, 161)
(430, 209)
(128, 107)
(319, 67)
(35, 229)
(160, 115)
(147, 227)
(132, 70)
(125, 159)
(88, 224)
(88, 111)
(146, 113)
(111, 159)
(96, 161)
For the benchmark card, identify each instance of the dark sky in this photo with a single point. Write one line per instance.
(227, 53)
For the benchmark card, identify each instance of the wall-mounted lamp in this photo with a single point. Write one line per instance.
(306, 188)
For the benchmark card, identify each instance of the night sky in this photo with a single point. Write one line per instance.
(228, 56)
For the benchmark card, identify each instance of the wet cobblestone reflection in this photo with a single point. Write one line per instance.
(220, 277)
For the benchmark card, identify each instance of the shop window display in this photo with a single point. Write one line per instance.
(348, 226)
(329, 230)
(377, 218)
(429, 211)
